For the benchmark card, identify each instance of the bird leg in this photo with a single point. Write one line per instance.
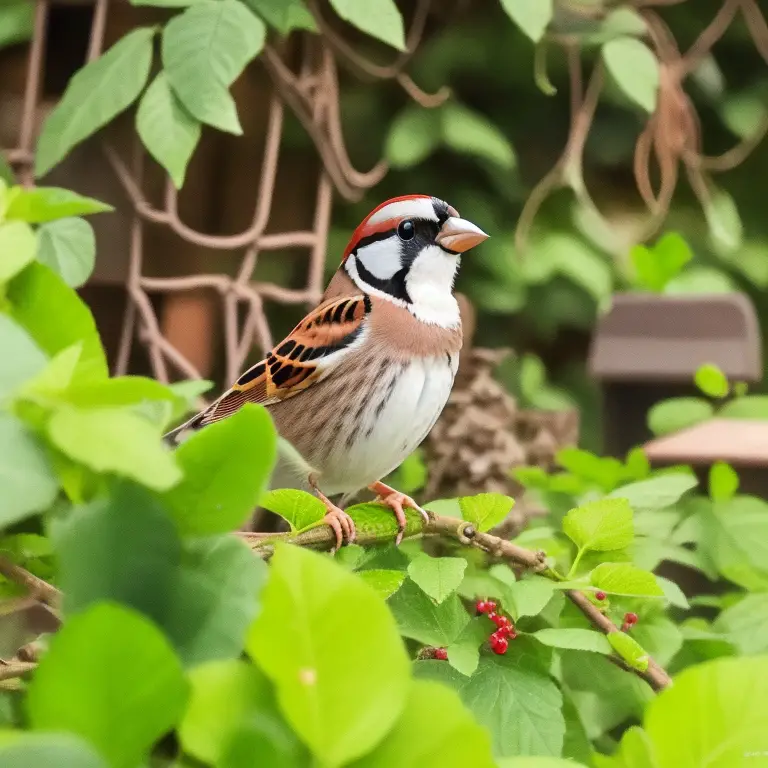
(396, 501)
(343, 525)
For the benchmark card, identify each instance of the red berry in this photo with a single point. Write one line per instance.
(491, 605)
(481, 606)
(492, 616)
(509, 631)
(499, 644)
(630, 619)
(441, 654)
(501, 621)
(600, 595)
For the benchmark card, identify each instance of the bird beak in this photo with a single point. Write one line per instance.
(459, 235)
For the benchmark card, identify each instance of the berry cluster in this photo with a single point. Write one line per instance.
(505, 629)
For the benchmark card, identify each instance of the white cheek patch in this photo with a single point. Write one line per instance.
(414, 208)
(430, 285)
(382, 258)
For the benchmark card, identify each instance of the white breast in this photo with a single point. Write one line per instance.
(400, 413)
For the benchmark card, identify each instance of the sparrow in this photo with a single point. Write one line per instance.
(358, 384)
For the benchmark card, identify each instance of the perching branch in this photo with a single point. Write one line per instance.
(37, 587)
(465, 533)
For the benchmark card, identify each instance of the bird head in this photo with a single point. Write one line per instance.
(407, 250)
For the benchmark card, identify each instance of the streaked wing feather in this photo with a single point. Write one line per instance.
(297, 362)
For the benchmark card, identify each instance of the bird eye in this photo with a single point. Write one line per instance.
(406, 230)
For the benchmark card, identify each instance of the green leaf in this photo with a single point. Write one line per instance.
(16, 22)
(470, 133)
(634, 69)
(224, 695)
(485, 510)
(226, 469)
(659, 636)
(629, 650)
(747, 407)
(41, 204)
(657, 492)
(532, 16)
(115, 440)
(439, 577)
(744, 624)
(299, 508)
(672, 592)
(341, 711)
(422, 619)
(711, 380)
(68, 247)
(726, 231)
(18, 246)
(378, 18)
(435, 729)
(284, 15)
(574, 639)
(413, 135)
(49, 750)
(95, 95)
(677, 414)
(600, 525)
(701, 280)
(202, 594)
(713, 715)
(607, 471)
(656, 267)
(513, 696)
(6, 172)
(168, 131)
(56, 318)
(464, 652)
(18, 346)
(624, 579)
(635, 751)
(723, 481)
(529, 596)
(87, 684)
(27, 482)
(205, 50)
(385, 583)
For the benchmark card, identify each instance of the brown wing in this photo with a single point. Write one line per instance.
(295, 363)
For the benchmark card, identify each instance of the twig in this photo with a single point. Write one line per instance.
(38, 588)
(13, 669)
(465, 533)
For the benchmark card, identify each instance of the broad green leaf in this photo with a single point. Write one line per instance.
(298, 508)
(411, 475)
(115, 440)
(413, 135)
(743, 113)
(57, 375)
(726, 231)
(164, 3)
(607, 471)
(202, 594)
(713, 715)
(439, 577)
(600, 525)
(529, 596)
(226, 469)
(168, 131)
(17, 346)
(672, 592)
(87, 684)
(56, 318)
(635, 751)
(68, 247)
(27, 482)
(747, 407)
(41, 204)
(629, 650)
(224, 695)
(378, 18)
(385, 583)
(95, 95)
(16, 22)
(470, 133)
(711, 380)
(574, 639)
(723, 481)
(537, 762)
(656, 267)
(284, 15)
(657, 492)
(659, 636)
(422, 619)
(485, 510)
(634, 69)
(532, 16)
(205, 49)
(678, 413)
(18, 246)
(701, 279)
(744, 624)
(341, 711)
(464, 652)
(435, 729)
(624, 579)
(49, 750)
(120, 390)
(513, 696)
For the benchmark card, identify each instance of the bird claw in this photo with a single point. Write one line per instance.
(396, 501)
(343, 526)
